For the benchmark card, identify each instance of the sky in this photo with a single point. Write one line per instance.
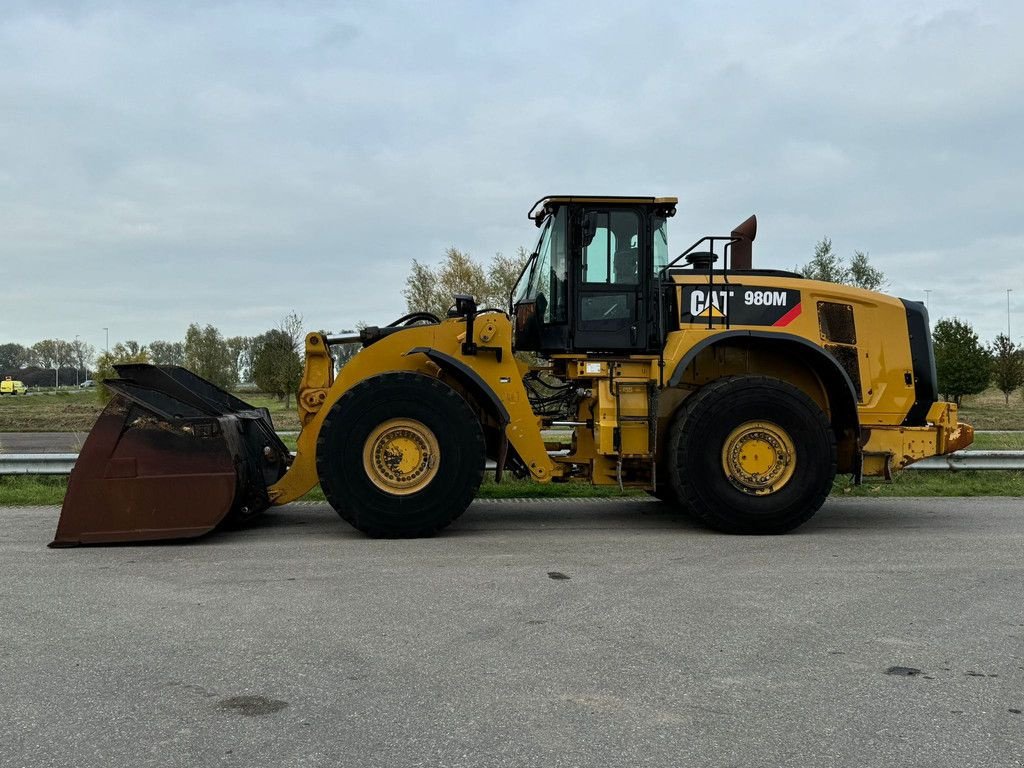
(228, 163)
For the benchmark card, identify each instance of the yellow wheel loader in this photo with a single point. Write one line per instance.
(734, 394)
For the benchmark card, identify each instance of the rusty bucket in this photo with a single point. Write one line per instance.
(172, 456)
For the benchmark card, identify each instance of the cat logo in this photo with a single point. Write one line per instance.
(714, 303)
(735, 304)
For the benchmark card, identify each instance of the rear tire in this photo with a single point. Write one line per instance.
(400, 455)
(751, 455)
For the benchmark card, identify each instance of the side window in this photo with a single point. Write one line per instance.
(548, 284)
(610, 251)
(660, 244)
(558, 309)
(597, 254)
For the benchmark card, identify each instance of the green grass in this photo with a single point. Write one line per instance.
(989, 410)
(50, 412)
(77, 411)
(998, 442)
(916, 483)
(31, 491)
(49, 491)
(285, 419)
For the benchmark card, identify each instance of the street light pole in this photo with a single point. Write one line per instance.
(927, 291)
(1008, 291)
(76, 360)
(106, 347)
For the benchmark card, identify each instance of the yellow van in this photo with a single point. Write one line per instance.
(11, 387)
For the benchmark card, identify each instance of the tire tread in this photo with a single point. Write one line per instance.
(334, 420)
(680, 453)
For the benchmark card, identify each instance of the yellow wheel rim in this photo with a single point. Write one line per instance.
(401, 456)
(759, 457)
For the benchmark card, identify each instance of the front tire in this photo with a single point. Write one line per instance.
(400, 455)
(751, 455)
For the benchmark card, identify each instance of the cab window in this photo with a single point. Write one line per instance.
(660, 244)
(611, 253)
(547, 283)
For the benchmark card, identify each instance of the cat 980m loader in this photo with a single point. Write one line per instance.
(735, 394)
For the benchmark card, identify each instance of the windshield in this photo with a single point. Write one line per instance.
(521, 291)
(546, 281)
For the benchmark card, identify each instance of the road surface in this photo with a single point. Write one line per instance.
(41, 442)
(886, 632)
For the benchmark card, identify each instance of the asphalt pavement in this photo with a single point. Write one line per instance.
(41, 442)
(885, 632)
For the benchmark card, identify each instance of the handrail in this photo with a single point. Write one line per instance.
(662, 283)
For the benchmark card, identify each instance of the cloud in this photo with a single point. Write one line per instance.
(228, 162)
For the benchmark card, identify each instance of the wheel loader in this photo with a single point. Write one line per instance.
(732, 393)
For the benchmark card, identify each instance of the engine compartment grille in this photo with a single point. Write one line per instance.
(848, 359)
(836, 322)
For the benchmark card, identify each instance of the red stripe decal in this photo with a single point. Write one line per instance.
(790, 316)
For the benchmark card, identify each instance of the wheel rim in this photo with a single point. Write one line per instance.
(401, 456)
(759, 457)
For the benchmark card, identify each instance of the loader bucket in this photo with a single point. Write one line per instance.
(172, 456)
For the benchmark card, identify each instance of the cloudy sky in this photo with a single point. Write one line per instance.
(226, 163)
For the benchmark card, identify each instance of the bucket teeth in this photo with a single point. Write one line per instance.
(172, 456)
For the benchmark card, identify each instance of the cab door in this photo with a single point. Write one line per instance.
(611, 272)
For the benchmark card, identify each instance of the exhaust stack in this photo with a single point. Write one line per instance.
(742, 250)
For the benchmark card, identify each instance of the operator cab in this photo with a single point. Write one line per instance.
(590, 285)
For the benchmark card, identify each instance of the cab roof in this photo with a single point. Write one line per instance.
(543, 205)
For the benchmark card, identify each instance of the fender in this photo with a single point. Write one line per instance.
(818, 358)
(468, 378)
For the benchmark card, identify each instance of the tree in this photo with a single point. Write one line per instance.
(53, 353)
(864, 275)
(45, 352)
(275, 360)
(13, 357)
(276, 365)
(827, 265)
(1007, 365)
(238, 347)
(207, 355)
(82, 354)
(291, 326)
(431, 289)
(962, 363)
(133, 348)
(502, 275)
(122, 352)
(167, 352)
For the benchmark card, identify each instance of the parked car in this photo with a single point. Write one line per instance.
(11, 387)
(87, 384)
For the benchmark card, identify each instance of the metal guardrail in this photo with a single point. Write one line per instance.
(37, 463)
(972, 460)
(61, 463)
